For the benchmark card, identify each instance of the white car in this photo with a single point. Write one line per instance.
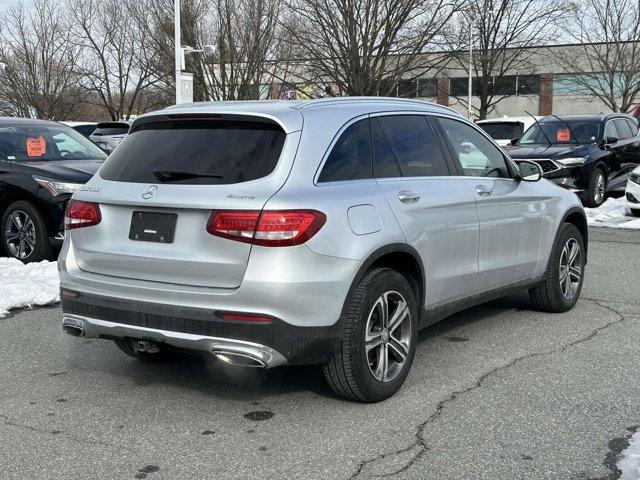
(505, 129)
(108, 135)
(632, 193)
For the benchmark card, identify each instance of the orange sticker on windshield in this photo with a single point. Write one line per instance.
(36, 147)
(563, 135)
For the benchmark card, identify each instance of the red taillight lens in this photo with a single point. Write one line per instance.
(246, 317)
(270, 228)
(81, 214)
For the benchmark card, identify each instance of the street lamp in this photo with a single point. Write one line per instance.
(180, 51)
(472, 20)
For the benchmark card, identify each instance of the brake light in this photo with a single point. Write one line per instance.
(269, 228)
(81, 214)
(246, 317)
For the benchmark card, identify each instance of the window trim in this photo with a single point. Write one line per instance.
(451, 168)
(604, 130)
(512, 169)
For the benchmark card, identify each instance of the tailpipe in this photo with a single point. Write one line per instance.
(240, 359)
(73, 330)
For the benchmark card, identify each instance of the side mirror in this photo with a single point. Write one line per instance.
(530, 171)
(513, 141)
(610, 140)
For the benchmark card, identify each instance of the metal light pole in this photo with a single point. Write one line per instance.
(178, 48)
(471, 20)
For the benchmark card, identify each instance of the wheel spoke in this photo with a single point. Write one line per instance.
(399, 349)
(575, 273)
(384, 299)
(10, 236)
(31, 242)
(381, 363)
(15, 218)
(21, 249)
(372, 342)
(398, 316)
(573, 253)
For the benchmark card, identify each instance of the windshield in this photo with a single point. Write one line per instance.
(45, 143)
(209, 152)
(557, 132)
(502, 130)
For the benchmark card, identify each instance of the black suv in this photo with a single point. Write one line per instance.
(590, 155)
(41, 164)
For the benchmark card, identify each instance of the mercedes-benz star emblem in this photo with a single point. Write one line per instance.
(149, 192)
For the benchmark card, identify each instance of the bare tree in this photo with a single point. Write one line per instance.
(365, 47)
(502, 32)
(117, 61)
(38, 74)
(606, 59)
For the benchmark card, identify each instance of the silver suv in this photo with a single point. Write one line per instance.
(324, 231)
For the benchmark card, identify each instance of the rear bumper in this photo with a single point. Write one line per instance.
(274, 343)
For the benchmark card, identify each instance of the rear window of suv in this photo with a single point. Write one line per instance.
(234, 151)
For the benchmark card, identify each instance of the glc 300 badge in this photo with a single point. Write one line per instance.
(149, 192)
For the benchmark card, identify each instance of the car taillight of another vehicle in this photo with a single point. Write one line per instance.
(268, 228)
(81, 214)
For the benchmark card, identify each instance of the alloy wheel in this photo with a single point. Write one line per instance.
(388, 336)
(570, 268)
(600, 187)
(20, 234)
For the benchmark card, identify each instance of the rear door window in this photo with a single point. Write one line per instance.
(384, 160)
(634, 126)
(415, 145)
(228, 151)
(350, 158)
(624, 131)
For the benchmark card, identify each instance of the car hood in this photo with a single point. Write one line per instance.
(74, 171)
(548, 151)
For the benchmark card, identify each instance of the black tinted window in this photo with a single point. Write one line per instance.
(415, 145)
(503, 130)
(624, 131)
(85, 130)
(110, 131)
(476, 154)
(237, 151)
(350, 158)
(384, 161)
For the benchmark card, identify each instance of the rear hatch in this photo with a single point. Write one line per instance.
(158, 189)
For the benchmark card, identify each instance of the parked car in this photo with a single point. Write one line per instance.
(85, 128)
(41, 164)
(323, 231)
(591, 155)
(505, 129)
(632, 192)
(108, 135)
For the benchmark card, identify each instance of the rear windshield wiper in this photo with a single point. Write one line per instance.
(174, 175)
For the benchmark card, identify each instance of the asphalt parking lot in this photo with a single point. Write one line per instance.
(496, 392)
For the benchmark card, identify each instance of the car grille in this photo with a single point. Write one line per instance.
(546, 165)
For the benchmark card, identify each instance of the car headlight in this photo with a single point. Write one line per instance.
(56, 187)
(571, 162)
(635, 177)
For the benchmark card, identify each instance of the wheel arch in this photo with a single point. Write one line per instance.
(14, 194)
(399, 257)
(577, 217)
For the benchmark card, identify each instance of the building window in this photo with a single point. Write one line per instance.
(427, 87)
(528, 85)
(407, 88)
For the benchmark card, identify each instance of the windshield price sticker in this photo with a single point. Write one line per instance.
(563, 135)
(36, 147)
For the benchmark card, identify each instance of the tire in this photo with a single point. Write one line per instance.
(128, 346)
(24, 233)
(635, 212)
(553, 294)
(597, 190)
(355, 374)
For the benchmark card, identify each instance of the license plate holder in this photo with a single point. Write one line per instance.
(156, 227)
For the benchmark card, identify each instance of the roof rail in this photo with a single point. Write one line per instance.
(330, 100)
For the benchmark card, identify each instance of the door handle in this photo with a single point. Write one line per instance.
(484, 190)
(408, 196)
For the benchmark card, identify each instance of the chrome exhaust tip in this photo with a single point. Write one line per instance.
(240, 359)
(73, 330)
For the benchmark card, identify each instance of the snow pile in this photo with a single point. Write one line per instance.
(26, 285)
(612, 213)
(628, 462)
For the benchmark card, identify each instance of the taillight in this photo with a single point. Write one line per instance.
(269, 228)
(81, 214)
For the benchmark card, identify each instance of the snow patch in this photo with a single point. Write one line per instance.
(628, 462)
(27, 285)
(612, 213)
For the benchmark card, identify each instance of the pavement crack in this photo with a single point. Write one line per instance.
(10, 423)
(420, 444)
